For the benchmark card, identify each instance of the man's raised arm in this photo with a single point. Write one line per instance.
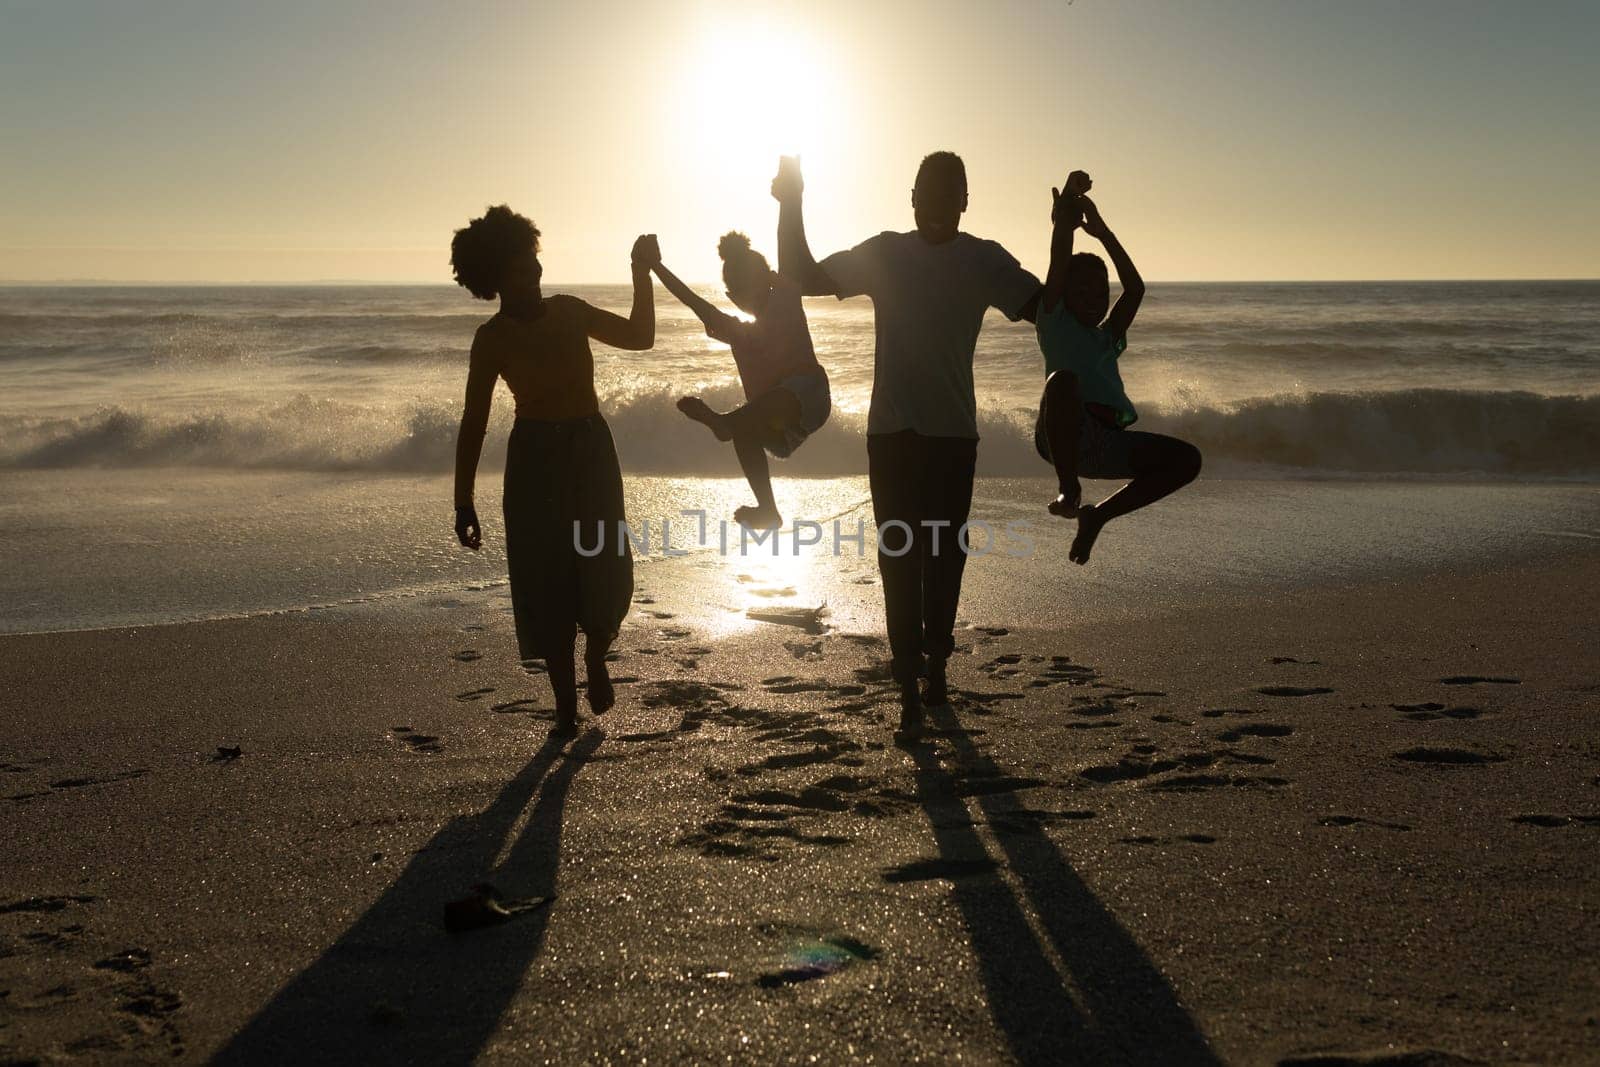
(795, 260)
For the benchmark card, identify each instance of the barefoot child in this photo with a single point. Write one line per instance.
(1085, 413)
(785, 387)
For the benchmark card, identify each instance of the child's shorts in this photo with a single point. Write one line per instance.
(816, 404)
(1103, 451)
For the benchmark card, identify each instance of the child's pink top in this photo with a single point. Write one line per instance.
(774, 347)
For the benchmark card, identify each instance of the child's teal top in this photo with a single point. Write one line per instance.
(1090, 354)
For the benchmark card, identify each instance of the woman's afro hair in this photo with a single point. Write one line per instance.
(480, 250)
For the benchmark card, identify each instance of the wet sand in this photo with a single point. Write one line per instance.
(1359, 821)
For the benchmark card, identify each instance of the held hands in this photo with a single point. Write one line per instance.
(1066, 208)
(468, 532)
(788, 185)
(646, 253)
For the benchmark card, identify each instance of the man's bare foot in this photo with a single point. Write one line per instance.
(937, 694)
(911, 729)
(701, 412)
(566, 718)
(602, 696)
(757, 518)
(1089, 527)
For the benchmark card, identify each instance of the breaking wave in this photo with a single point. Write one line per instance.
(1417, 431)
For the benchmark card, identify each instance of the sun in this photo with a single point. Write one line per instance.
(754, 89)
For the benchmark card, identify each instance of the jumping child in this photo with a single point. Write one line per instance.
(1085, 413)
(785, 388)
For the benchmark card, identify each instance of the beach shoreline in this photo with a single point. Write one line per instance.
(1136, 837)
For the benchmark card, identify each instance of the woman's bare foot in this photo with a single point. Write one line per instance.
(757, 518)
(602, 696)
(1089, 526)
(701, 412)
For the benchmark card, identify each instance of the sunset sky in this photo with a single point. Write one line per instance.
(224, 141)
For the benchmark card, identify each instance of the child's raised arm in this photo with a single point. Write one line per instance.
(1127, 306)
(1066, 215)
(717, 323)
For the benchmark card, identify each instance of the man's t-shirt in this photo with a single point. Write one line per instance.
(1090, 354)
(930, 301)
(773, 348)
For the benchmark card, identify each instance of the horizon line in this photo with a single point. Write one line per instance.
(20, 283)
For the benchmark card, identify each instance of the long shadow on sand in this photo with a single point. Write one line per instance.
(1106, 1002)
(395, 988)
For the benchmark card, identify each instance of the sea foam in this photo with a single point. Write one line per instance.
(1417, 431)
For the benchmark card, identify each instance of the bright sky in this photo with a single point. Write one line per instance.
(232, 140)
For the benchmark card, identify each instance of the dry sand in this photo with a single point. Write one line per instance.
(1358, 821)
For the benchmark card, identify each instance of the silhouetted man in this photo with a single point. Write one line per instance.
(930, 289)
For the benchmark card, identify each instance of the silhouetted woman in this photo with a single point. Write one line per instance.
(561, 473)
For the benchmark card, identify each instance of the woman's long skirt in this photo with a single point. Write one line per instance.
(563, 489)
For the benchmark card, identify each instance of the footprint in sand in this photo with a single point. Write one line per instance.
(1553, 821)
(473, 694)
(866, 640)
(1195, 782)
(740, 838)
(514, 707)
(466, 655)
(1218, 713)
(103, 779)
(1180, 839)
(1356, 820)
(1430, 711)
(825, 753)
(418, 742)
(126, 961)
(1388, 1057)
(1278, 660)
(44, 904)
(1256, 729)
(1293, 690)
(1133, 768)
(1478, 679)
(1447, 757)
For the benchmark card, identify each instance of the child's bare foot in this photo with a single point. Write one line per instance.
(602, 696)
(1089, 527)
(1068, 501)
(701, 412)
(757, 518)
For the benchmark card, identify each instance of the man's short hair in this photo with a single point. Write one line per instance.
(944, 168)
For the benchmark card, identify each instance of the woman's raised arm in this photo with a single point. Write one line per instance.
(637, 332)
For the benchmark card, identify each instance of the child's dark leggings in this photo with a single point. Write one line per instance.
(917, 479)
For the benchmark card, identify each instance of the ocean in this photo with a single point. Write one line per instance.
(185, 452)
